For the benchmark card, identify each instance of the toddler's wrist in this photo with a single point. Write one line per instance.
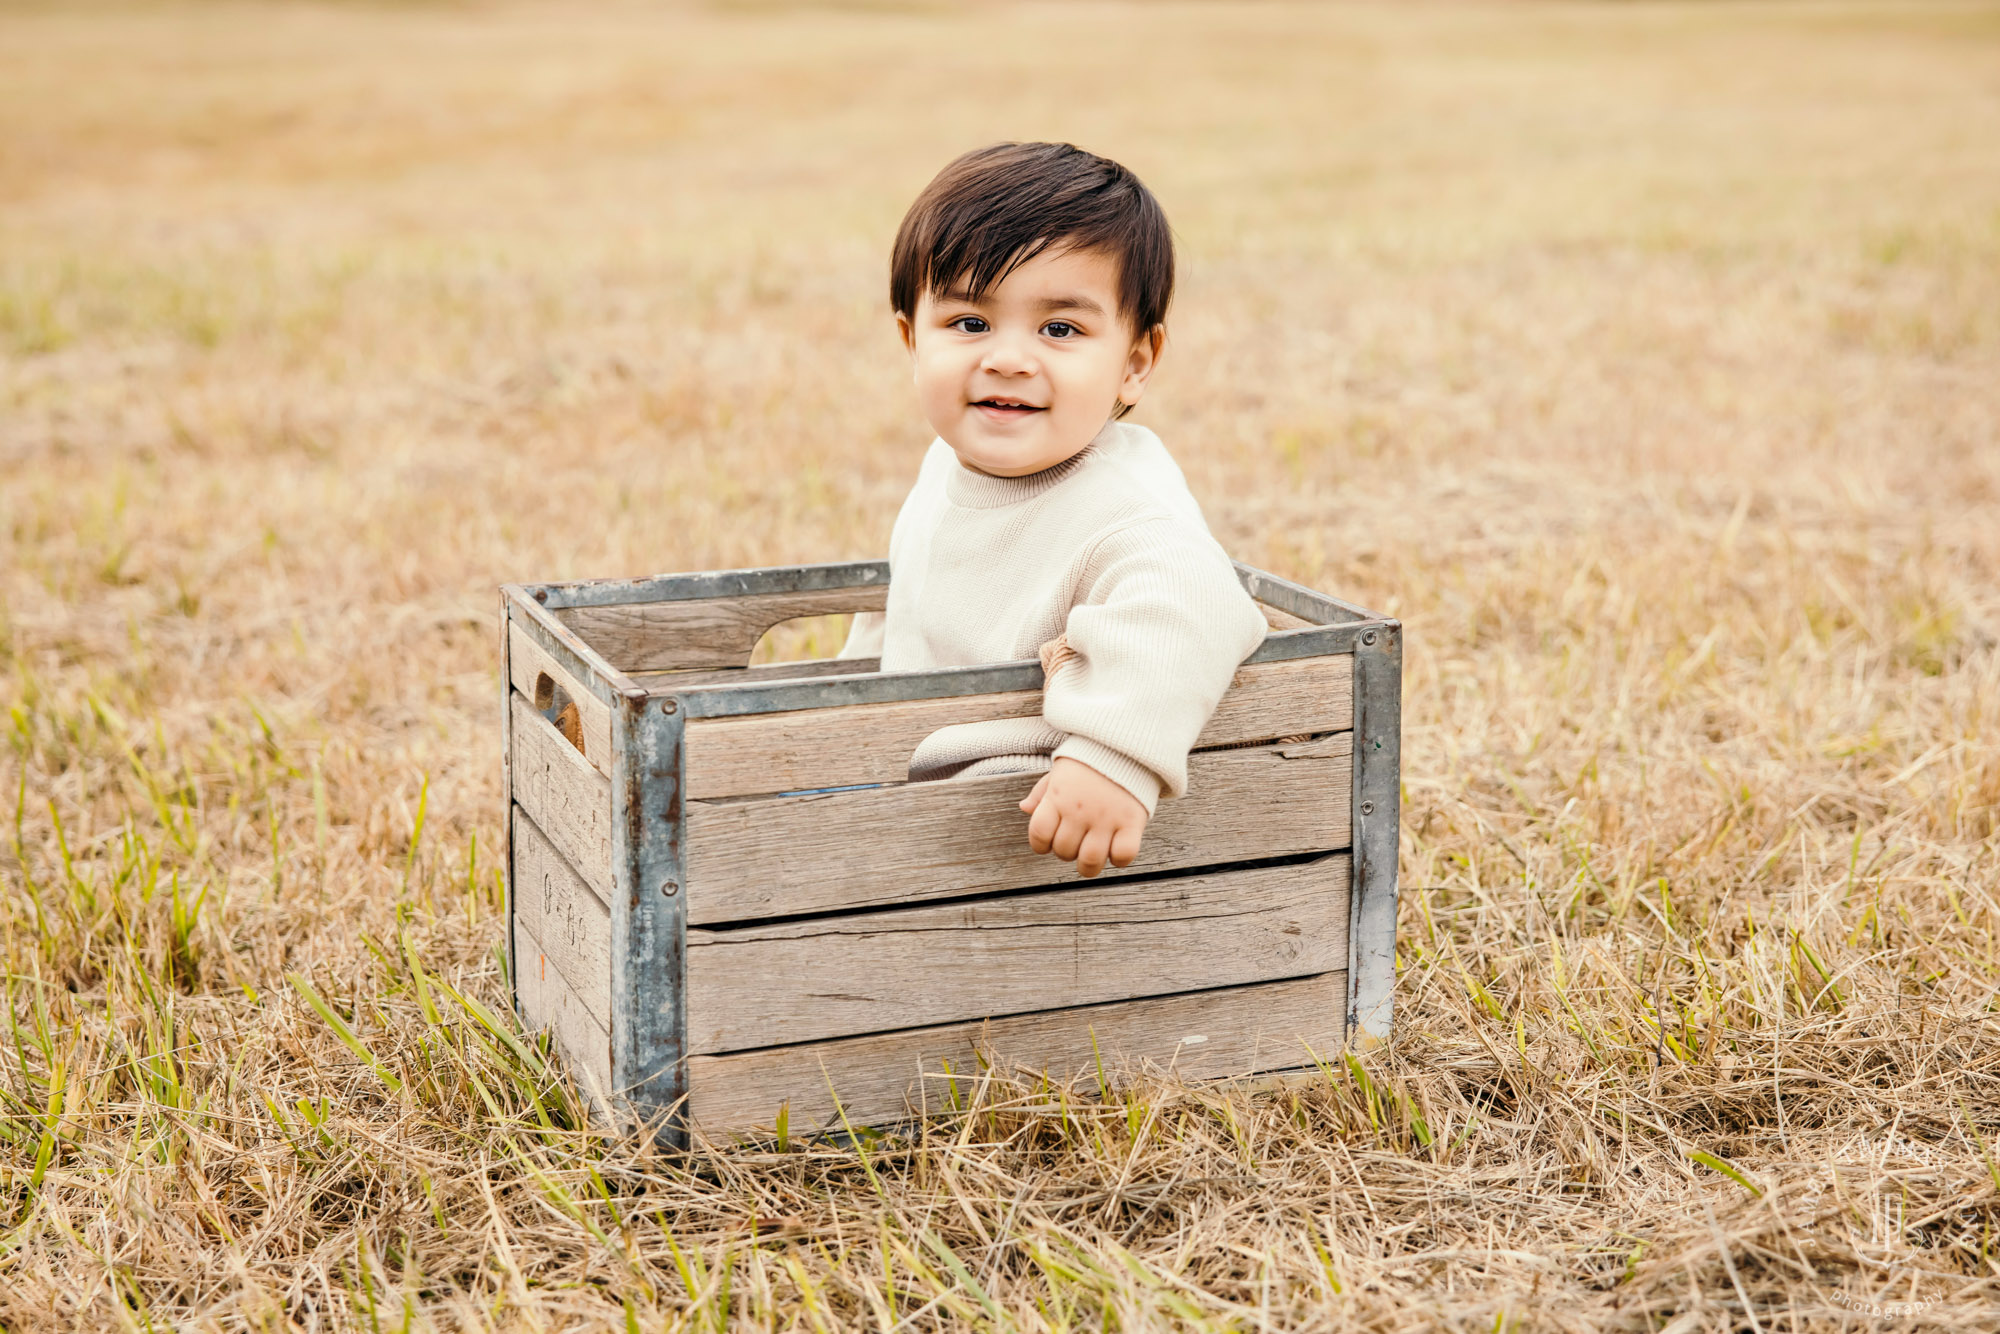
(1121, 769)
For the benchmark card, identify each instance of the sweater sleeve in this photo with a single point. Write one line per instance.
(864, 636)
(1157, 638)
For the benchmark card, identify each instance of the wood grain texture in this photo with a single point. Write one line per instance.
(1280, 619)
(527, 663)
(706, 632)
(1079, 945)
(814, 748)
(1207, 1035)
(805, 669)
(565, 914)
(872, 743)
(549, 1002)
(569, 801)
(781, 856)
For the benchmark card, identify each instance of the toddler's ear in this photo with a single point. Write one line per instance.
(1139, 367)
(908, 331)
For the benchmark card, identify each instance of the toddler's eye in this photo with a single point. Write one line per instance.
(968, 324)
(1060, 329)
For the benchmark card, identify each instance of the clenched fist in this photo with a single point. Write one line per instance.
(1083, 817)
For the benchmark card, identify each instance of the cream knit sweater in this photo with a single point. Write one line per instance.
(1108, 551)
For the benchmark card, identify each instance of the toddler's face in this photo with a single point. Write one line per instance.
(1028, 374)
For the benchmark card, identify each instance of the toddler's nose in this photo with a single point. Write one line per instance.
(1009, 356)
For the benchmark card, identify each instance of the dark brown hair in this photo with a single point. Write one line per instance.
(994, 208)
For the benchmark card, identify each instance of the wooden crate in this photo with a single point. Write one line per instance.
(711, 933)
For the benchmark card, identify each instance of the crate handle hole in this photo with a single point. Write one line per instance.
(554, 704)
(802, 639)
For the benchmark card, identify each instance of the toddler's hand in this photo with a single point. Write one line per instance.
(1083, 817)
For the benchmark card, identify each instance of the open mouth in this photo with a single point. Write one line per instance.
(1008, 406)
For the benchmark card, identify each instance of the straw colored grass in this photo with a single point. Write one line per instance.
(1645, 359)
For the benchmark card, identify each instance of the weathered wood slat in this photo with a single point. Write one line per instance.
(782, 856)
(689, 585)
(872, 743)
(529, 666)
(569, 801)
(708, 632)
(548, 1001)
(815, 748)
(804, 670)
(1079, 945)
(1206, 1035)
(563, 912)
(1280, 619)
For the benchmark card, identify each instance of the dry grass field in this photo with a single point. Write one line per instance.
(1644, 358)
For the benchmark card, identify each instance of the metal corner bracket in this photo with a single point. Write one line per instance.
(649, 914)
(1378, 741)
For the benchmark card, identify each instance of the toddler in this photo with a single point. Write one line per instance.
(1030, 283)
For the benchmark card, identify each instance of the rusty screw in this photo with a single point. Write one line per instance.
(669, 707)
(541, 595)
(670, 887)
(1368, 638)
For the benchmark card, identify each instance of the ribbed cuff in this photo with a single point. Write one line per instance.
(1129, 774)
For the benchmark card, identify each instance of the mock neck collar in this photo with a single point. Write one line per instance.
(982, 491)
